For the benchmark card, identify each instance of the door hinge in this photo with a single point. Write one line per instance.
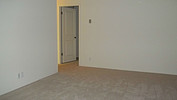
(61, 54)
(61, 12)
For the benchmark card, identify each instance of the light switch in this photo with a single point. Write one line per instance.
(90, 21)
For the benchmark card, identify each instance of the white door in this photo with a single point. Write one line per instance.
(68, 34)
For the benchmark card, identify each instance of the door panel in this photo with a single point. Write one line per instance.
(69, 34)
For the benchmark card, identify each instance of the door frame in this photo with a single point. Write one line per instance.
(60, 32)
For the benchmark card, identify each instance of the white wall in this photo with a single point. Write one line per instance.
(68, 2)
(136, 35)
(28, 41)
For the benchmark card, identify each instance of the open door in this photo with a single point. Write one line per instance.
(68, 34)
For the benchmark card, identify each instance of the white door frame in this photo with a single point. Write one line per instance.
(60, 30)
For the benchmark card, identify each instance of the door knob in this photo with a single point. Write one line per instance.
(75, 37)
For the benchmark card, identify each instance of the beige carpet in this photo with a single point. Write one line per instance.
(83, 83)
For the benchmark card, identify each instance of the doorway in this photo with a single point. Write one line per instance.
(69, 33)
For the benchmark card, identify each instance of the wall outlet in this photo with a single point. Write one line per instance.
(22, 75)
(90, 58)
(18, 75)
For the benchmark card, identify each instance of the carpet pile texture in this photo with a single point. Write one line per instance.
(83, 83)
